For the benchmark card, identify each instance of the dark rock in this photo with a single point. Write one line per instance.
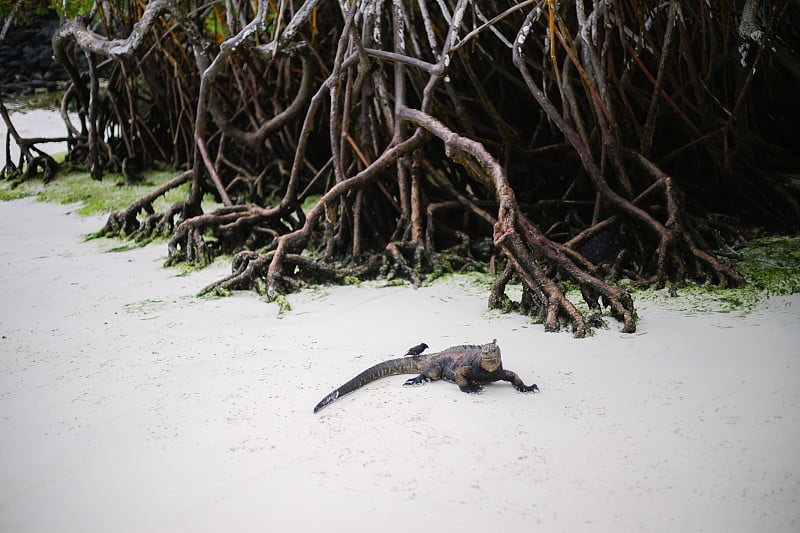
(601, 247)
(26, 58)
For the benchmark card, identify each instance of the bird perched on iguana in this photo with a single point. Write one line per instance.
(468, 366)
(418, 349)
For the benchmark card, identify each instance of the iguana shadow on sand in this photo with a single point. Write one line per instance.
(468, 366)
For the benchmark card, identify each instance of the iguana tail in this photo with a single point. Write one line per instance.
(392, 367)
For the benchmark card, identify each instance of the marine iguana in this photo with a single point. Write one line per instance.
(467, 365)
(418, 349)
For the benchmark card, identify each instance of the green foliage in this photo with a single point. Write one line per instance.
(283, 304)
(71, 8)
(216, 27)
(8, 192)
(351, 280)
(309, 203)
(95, 196)
(33, 8)
(771, 266)
(28, 9)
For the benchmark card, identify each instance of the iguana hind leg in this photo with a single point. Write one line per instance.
(432, 373)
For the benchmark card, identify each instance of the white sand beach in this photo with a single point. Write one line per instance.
(127, 404)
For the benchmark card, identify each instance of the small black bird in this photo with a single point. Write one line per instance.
(418, 349)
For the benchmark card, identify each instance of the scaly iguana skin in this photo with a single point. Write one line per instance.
(467, 366)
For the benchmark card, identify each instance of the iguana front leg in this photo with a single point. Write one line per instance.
(515, 380)
(432, 373)
(464, 383)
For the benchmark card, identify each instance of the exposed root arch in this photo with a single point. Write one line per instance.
(520, 239)
(32, 162)
(677, 239)
(125, 223)
(562, 126)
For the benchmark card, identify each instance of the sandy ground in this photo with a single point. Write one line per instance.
(129, 405)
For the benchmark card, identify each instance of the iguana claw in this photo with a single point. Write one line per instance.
(417, 380)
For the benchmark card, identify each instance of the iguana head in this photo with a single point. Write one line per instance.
(490, 355)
